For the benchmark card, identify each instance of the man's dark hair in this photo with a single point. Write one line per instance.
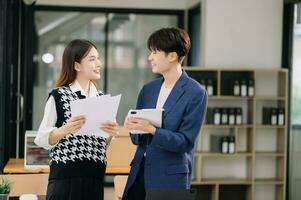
(170, 40)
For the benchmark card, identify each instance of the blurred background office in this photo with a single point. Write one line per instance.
(235, 34)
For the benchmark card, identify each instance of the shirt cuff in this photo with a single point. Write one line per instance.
(42, 138)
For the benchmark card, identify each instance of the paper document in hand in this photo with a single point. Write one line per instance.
(154, 116)
(96, 110)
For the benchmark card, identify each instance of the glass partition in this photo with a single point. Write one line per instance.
(122, 36)
(295, 133)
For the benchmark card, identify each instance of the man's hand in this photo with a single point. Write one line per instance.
(133, 123)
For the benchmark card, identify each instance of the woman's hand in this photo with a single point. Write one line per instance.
(72, 125)
(112, 128)
(133, 123)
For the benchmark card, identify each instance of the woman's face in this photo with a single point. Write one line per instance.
(89, 67)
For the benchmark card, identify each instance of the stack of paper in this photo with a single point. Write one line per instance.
(96, 110)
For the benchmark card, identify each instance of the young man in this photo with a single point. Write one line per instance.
(164, 157)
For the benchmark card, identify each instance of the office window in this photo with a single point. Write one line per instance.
(194, 30)
(123, 36)
(128, 67)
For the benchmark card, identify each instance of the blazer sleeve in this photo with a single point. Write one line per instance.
(184, 139)
(139, 138)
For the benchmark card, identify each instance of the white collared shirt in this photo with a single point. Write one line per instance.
(50, 116)
(163, 95)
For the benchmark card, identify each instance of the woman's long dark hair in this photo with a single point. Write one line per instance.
(75, 51)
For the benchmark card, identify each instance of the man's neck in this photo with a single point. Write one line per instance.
(171, 76)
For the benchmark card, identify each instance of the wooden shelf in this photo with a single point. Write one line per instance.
(193, 68)
(208, 154)
(228, 126)
(196, 182)
(223, 182)
(248, 137)
(269, 126)
(269, 182)
(259, 98)
(259, 69)
(270, 98)
(269, 154)
(225, 97)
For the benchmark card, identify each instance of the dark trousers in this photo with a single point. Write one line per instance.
(137, 191)
(75, 189)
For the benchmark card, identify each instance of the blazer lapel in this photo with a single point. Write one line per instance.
(175, 93)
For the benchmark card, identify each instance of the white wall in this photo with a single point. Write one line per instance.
(193, 3)
(241, 33)
(138, 4)
(234, 33)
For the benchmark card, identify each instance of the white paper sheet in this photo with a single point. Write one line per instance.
(96, 110)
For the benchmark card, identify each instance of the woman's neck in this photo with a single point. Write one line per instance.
(85, 85)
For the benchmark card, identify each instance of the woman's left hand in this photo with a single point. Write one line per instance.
(112, 128)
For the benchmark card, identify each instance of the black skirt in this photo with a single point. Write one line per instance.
(75, 189)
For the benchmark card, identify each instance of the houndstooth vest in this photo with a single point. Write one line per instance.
(75, 155)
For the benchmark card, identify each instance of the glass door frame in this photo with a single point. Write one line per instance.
(287, 62)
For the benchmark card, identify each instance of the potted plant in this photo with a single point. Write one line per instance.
(5, 187)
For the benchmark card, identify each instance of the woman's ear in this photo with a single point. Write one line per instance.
(77, 66)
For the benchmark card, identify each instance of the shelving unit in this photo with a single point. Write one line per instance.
(257, 168)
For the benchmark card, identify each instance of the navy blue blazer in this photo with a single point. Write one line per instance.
(170, 152)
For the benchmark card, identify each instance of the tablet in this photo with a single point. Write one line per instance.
(154, 116)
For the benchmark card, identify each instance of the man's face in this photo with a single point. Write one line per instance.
(160, 61)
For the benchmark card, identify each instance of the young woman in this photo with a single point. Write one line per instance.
(77, 162)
